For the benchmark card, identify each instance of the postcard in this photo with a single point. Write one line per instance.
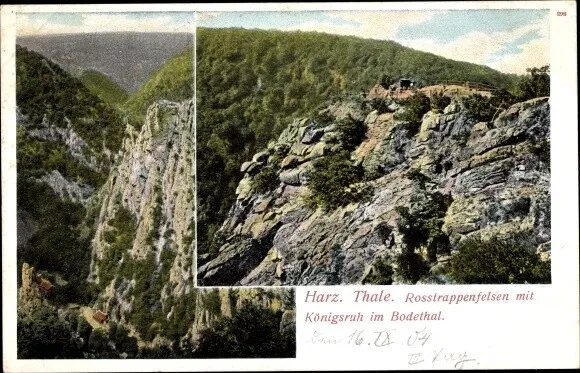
(290, 186)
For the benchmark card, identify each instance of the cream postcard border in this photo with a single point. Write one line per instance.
(561, 346)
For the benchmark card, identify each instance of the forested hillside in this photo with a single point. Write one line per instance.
(440, 187)
(126, 70)
(251, 84)
(173, 81)
(106, 226)
(44, 88)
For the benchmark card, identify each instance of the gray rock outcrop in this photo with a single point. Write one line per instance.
(29, 297)
(75, 145)
(494, 172)
(64, 188)
(154, 180)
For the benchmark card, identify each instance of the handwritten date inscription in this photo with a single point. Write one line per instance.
(420, 352)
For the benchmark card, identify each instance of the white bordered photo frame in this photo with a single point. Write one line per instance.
(538, 330)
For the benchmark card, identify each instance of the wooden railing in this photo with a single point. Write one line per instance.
(467, 84)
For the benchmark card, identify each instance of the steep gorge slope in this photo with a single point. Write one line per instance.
(216, 328)
(172, 81)
(462, 177)
(252, 83)
(153, 184)
(104, 87)
(66, 142)
(107, 224)
(143, 248)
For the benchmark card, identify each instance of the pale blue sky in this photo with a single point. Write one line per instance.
(72, 23)
(268, 20)
(451, 24)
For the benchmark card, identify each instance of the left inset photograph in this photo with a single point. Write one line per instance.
(106, 199)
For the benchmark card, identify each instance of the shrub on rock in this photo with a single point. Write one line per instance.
(497, 261)
(331, 182)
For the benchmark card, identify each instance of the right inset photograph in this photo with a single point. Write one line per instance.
(375, 148)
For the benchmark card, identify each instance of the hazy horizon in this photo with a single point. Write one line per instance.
(128, 58)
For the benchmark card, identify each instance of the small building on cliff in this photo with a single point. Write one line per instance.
(100, 317)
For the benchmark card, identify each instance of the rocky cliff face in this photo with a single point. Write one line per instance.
(143, 257)
(143, 245)
(76, 146)
(495, 173)
(29, 297)
(154, 181)
(73, 153)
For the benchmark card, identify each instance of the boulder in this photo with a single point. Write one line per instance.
(261, 157)
(263, 205)
(312, 135)
(291, 161)
(246, 166)
(29, 298)
(244, 188)
(288, 322)
(372, 117)
(290, 177)
(318, 150)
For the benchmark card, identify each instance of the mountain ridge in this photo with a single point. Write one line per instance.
(106, 233)
(128, 58)
(172, 81)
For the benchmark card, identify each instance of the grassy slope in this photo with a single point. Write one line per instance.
(104, 87)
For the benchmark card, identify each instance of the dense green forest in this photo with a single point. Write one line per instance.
(251, 84)
(173, 81)
(62, 243)
(48, 334)
(91, 103)
(44, 88)
(230, 337)
(104, 87)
